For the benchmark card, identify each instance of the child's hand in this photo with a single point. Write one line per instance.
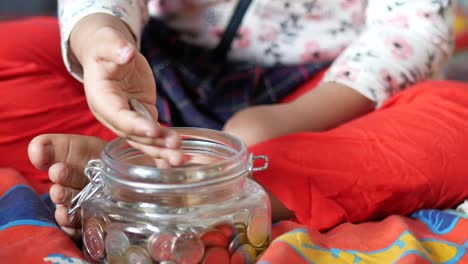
(114, 72)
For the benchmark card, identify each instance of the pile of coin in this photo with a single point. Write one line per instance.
(241, 240)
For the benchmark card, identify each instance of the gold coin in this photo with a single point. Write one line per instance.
(258, 231)
(237, 242)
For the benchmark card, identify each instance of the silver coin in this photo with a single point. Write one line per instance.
(160, 246)
(140, 108)
(188, 249)
(116, 242)
(137, 255)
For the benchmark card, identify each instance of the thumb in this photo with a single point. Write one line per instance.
(114, 47)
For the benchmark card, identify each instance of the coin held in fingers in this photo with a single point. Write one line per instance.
(140, 109)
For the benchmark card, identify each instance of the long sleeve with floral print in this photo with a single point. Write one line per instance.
(378, 47)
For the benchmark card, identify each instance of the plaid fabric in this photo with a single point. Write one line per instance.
(195, 89)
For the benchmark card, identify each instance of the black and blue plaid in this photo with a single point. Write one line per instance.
(197, 90)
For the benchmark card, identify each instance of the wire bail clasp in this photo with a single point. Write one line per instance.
(252, 158)
(92, 171)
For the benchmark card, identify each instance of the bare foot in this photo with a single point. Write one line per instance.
(65, 157)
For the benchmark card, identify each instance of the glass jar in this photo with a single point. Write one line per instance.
(206, 211)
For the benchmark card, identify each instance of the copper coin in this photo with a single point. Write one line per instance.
(160, 246)
(214, 237)
(258, 231)
(228, 230)
(137, 255)
(243, 255)
(116, 242)
(93, 238)
(116, 259)
(216, 255)
(188, 249)
(237, 242)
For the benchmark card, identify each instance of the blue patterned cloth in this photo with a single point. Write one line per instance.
(199, 90)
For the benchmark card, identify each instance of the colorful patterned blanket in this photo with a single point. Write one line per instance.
(28, 234)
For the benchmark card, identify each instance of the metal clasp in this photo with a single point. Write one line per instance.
(92, 171)
(252, 158)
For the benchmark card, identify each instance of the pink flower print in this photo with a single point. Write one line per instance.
(347, 73)
(314, 17)
(243, 38)
(399, 21)
(268, 34)
(346, 4)
(358, 19)
(313, 53)
(400, 48)
(388, 79)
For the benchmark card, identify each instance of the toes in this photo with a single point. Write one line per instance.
(40, 153)
(45, 150)
(62, 218)
(62, 195)
(68, 175)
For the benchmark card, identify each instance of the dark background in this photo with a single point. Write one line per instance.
(21, 8)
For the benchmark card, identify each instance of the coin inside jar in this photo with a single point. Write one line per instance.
(259, 229)
(137, 255)
(93, 238)
(160, 246)
(238, 241)
(188, 249)
(216, 255)
(116, 242)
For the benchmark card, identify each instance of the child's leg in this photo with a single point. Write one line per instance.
(37, 94)
(410, 154)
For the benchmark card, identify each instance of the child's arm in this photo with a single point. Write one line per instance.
(404, 42)
(86, 17)
(100, 47)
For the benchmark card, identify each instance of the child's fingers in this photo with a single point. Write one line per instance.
(168, 138)
(174, 157)
(63, 219)
(111, 107)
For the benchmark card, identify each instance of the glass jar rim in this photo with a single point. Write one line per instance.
(236, 163)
